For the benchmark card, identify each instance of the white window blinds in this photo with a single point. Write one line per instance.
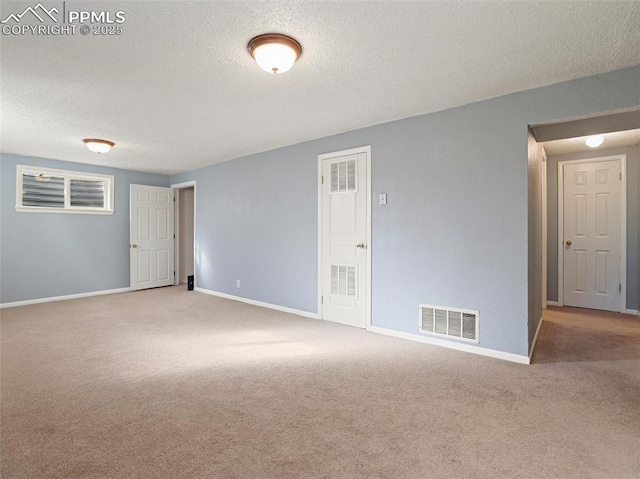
(46, 190)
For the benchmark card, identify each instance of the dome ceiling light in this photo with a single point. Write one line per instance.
(594, 141)
(98, 146)
(274, 53)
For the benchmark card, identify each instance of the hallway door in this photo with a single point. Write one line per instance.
(592, 234)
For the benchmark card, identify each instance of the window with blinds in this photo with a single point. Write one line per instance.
(58, 191)
(42, 190)
(87, 193)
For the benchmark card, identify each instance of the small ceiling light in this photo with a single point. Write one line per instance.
(98, 146)
(594, 141)
(274, 53)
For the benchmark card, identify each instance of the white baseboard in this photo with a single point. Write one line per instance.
(284, 309)
(626, 311)
(63, 298)
(467, 348)
(535, 339)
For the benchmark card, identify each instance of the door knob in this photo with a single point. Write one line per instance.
(568, 242)
(361, 246)
(134, 245)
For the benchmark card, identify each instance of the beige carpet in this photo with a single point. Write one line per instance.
(174, 384)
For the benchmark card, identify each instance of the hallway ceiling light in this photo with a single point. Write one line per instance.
(594, 141)
(98, 146)
(274, 53)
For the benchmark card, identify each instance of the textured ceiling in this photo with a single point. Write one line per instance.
(616, 139)
(178, 90)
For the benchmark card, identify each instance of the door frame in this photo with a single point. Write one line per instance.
(545, 229)
(176, 246)
(622, 306)
(338, 154)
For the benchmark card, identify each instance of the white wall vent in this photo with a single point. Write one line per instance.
(453, 322)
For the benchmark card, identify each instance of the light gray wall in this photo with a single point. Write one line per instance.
(454, 232)
(45, 255)
(633, 213)
(535, 235)
(256, 222)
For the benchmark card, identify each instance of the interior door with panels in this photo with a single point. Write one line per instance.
(151, 237)
(344, 259)
(592, 234)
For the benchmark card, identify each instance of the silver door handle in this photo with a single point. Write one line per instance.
(361, 246)
(134, 245)
(568, 242)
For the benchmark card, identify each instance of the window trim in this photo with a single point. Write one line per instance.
(68, 176)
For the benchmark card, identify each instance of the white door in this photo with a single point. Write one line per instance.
(151, 237)
(344, 259)
(591, 230)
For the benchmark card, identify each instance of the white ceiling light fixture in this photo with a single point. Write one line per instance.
(274, 53)
(594, 141)
(98, 146)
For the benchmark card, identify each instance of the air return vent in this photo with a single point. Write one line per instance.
(343, 176)
(456, 323)
(343, 280)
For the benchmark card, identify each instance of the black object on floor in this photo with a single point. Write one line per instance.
(190, 283)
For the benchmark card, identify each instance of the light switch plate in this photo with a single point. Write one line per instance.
(382, 198)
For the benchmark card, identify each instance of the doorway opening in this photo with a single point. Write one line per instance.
(588, 195)
(185, 233)
(592, 213)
